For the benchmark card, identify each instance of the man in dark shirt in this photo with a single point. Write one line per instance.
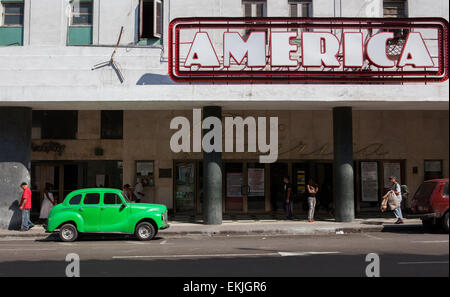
(287, 193)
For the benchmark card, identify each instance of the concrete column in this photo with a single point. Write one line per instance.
(15, 158)
(212, 175)
(343, 164)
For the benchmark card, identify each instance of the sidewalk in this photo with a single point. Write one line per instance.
(262, 226)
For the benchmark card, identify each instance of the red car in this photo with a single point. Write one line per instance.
(430, 203)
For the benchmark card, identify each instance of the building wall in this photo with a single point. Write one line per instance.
(413, 136)
(46, 74)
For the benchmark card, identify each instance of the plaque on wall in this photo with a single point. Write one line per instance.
(165, 172)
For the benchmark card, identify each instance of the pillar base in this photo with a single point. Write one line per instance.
(15, 156)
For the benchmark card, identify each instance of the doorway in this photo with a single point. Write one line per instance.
(185, 187)
(277, 172)
(66, 177)
(234, 187)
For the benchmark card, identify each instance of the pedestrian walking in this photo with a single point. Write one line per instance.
(25, 207)
(313, 189)
(47, 203)
(287, 191)
(397, 191)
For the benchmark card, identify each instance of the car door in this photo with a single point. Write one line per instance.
(90, 212)
(114, 214)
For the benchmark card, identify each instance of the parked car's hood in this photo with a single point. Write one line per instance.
(148, 206)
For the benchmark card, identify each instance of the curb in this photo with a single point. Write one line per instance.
(275, 231)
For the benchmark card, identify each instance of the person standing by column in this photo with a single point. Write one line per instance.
(47, 203)
(139, 190)
(397, 190)
(287, 191)
(25, 206)
(312, 201)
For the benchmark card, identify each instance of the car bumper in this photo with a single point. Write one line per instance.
(423, 216)
(164, 227)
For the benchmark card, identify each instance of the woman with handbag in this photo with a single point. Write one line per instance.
(312, 199)
(47, 204)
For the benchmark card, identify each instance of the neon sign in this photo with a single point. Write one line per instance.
(290, 50)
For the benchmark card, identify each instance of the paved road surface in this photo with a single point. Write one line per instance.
(401, 254)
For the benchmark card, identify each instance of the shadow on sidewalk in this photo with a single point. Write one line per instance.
(16, 219)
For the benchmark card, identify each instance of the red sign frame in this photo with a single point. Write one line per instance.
(254, 76)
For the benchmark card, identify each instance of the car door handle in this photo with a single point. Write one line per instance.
(80, 209)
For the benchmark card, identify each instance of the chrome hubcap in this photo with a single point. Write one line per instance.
(67, 234)
(144, 232)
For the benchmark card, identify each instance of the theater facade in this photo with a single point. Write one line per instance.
(89, 89)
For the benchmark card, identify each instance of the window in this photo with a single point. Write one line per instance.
(433, 169)
(425, 190)
(75, 200)
(11, 29)
(81, 21)
(12, 14)
(151, 20)
(112, 124)
(91, 199)
(300, 9)
(82, 14)
(254, 8)
(396, 9)
(111, 198)
(55, 124)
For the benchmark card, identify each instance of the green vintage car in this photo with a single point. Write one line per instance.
(105, 211)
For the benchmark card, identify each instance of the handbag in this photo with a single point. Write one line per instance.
(393, 201)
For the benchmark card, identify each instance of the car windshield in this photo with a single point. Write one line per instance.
(125, 196)
(425, 190)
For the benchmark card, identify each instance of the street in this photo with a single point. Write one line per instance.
(402, 253)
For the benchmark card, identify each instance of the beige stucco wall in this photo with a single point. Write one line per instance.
(413, 136)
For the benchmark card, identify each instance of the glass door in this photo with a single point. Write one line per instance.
(256, 197)
(277, 172)
(41, 175)
(185, 188)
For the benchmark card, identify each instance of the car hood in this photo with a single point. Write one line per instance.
(148, 206)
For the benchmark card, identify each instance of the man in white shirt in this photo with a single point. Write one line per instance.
(139, 191)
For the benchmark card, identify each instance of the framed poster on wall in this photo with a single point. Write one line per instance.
(234, 184)
(256, 182)
(392, 169)
(369, 181)
(145, 171)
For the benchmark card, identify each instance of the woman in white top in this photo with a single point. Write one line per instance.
(47, 203)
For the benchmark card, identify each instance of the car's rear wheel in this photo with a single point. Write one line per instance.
(68, 233)
(445, 222)
(428, 225)
(145, 231)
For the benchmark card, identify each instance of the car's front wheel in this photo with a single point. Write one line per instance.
(445, 222)
(68, 233)
(145, 231)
